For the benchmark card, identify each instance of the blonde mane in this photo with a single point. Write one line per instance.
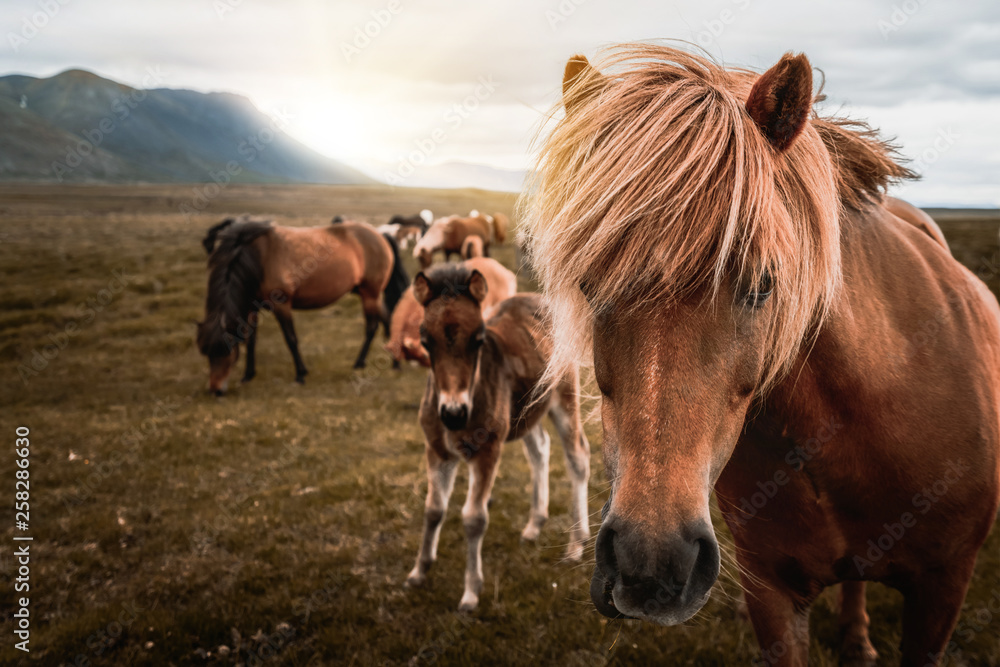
(658, 184)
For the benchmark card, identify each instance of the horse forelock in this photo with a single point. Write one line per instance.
(661, 185)
(234, 274)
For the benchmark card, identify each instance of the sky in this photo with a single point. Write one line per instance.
(392, 85)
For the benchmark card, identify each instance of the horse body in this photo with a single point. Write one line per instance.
(936, 432)
(766, 323)
(286, 268)
(481, 392)
(404, 330)
(449, 234)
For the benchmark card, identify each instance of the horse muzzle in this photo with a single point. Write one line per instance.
(454, 416)
(665, 582)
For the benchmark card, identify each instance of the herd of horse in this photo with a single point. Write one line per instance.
(764, 323)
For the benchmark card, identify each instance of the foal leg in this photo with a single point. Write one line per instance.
(931, 606)
(253, 319)
(288, 329)
(373, 315)
(856, 649)
(537, 446)
(440, 483)
(565, 414)
(475, 518)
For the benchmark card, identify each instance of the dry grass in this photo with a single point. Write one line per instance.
(280, 521)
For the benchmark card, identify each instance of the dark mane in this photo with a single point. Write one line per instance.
(411, 221)
(213, 233)
(398, 279)
(235, 273)
(448, 280)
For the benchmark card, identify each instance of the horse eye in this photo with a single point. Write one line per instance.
(758, 296)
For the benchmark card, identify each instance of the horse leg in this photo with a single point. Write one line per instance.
(780, 621)
(372, 307)
(565, 414)
(253, 319)
(931, 607)
(288, 329)
(475, 517)
(440, 483)
(536, 450)
(856, 649)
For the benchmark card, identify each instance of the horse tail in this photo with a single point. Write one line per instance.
(500, 224)
(213, 233)
(235, 272)
(398, 279)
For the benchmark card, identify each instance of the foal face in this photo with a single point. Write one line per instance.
(676, 384)
(453, 333)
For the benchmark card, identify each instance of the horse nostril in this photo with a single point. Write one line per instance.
(604, 552)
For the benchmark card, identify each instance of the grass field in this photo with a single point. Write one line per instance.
(276, 525)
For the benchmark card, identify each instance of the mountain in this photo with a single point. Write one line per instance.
(77, 126)
(455, 175)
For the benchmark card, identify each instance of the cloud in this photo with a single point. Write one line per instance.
(384, 78)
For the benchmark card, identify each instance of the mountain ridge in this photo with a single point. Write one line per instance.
(77, 126)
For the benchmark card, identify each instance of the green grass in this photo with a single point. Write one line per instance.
(280, 521)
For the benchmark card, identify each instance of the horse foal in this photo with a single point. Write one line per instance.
(481, 392)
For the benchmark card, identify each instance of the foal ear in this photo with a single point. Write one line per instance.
(477, 286)
(580, 82)
(781, 100)
(421, 289)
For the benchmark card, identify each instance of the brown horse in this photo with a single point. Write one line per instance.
(448, 234)
(407, 228)
(765, 322)
(472, 246)
(255, 265)
(481, 392)
(404, 330)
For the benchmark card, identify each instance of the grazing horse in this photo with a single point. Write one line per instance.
(407, 229)
(448, 234)
(404, 331)
(254, 265)
(481, 392)
(764, 321)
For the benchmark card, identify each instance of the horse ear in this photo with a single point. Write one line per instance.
(421, 289)
(781, 100)
(477, 286)
(580, 82)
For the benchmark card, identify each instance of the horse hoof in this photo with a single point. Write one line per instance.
(301, 379)
(416, 580)
(574, 552)
(468, 604)
(246, 378)
(858, 652)
(358, 365)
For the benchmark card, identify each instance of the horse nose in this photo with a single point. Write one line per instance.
(454, 416)
(662, 580)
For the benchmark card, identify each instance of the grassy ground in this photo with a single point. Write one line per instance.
(276, 525)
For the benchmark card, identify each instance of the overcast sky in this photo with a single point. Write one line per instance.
(922, 71)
